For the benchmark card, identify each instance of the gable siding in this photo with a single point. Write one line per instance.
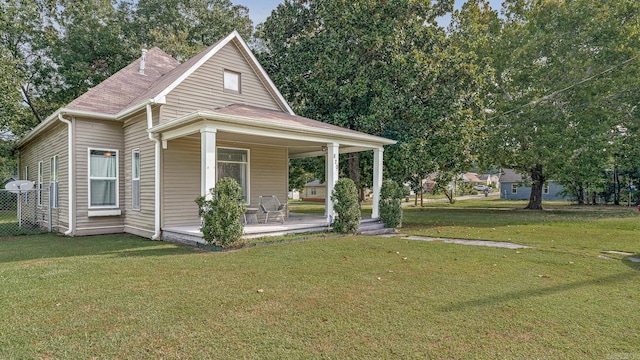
(53, 142)
(268, 166)
(139, 222)
(97, 134)
(203, 90)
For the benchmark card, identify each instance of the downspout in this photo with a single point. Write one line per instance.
(156, 235)
(70, 169)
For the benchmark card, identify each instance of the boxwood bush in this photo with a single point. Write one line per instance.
(346, 206)
(391, 204)
(221, 213)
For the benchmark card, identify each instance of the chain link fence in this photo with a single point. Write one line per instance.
(27, 212)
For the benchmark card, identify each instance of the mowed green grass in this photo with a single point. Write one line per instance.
(333, 297)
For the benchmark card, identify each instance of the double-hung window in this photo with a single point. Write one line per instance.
(103, 178)
(40, 181)
(26, 177)
(545, 188)
(135, 179)
(53, 182)
(234, 163)
(514, 188)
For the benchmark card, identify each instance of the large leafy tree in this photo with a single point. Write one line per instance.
(183, 28)
(560, 69)
(381, 67)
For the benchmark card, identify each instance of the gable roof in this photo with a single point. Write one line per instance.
(508, 176)
(122, 89)
(127, 91)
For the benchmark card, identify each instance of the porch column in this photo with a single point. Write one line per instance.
(208, 159)
(331, 177)
(377, 181)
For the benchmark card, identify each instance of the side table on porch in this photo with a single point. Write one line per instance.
(251, 216)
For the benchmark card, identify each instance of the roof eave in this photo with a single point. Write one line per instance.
(374, 141)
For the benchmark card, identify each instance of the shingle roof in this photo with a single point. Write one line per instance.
(124, 87)
(275, 116)
(509, 176)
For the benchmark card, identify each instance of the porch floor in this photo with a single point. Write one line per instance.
(295, 223)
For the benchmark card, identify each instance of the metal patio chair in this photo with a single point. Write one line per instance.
(270, 205)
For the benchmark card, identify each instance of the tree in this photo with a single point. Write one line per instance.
(559, 68)
(381, 67)
(183, 28)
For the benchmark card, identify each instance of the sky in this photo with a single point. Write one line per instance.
(259, 10)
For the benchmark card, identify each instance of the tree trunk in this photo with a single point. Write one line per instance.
(616, 186)
(580, 195)
(354, 171)
(537, 179)
(593, 198)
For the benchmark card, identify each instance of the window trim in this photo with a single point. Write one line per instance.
(545, 189)
(89, 178)
(514, 188)
(133, 179)
(26, 177)
(224, 82)
(248, 201)
(39, 186)
(54, 179)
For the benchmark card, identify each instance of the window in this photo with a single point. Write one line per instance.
(135, 179)
(231, 81)
(234, 163)
(40, 181)
(313, 191)
(53, 182)
(514, 188)
(103, 178)
(545, 188)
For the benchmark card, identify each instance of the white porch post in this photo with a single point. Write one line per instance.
(331, 177)
(208, 159)
(377, 181)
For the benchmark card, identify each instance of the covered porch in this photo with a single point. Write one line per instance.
(253, 145)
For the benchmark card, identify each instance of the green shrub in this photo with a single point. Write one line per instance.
(390, 204)
(346, 206)
(221, 213)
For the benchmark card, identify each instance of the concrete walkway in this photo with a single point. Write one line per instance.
(497, 244)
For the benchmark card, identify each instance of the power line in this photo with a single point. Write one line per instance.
(549, 96)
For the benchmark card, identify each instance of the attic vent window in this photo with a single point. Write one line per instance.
(231, 81)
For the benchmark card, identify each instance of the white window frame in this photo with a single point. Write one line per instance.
(40, 182)
(545, 188)
(89, 178)
(54, 180)
(248, 180)
(26, 177)
(135, 181)
(514, 188)
(227, 85)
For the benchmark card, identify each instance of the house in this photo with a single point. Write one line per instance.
(314, 191)
(512, 187)
(133, 153)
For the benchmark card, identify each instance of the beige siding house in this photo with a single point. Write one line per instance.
(134, 152)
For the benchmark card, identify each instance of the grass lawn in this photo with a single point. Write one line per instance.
(334, 297)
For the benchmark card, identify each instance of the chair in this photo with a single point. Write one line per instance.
(270, 205)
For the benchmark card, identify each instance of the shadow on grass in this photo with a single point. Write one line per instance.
(21, 248)
(517, 295)
(488, 218)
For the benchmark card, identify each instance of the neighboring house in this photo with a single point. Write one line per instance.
(513, 188)
(472, 178)
(490, 180)
(315, 190)
(133, 153)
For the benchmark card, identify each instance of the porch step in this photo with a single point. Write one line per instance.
(373, 227)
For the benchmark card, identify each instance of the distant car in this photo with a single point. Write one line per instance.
(482, 188)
